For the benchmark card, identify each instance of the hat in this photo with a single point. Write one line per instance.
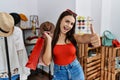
(16, 17)
(6, 24)
(47, 26)
(23, 17)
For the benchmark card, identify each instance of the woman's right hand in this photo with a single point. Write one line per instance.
(48, 35)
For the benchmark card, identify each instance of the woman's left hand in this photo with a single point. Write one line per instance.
(95, 39)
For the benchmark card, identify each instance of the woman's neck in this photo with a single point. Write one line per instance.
(61, 39)
(62, 36)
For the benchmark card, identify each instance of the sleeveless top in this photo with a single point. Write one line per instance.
(64, 54)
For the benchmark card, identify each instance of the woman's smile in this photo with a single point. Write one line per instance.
(66, 28)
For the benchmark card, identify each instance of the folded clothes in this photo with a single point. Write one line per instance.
(32, 39)
(116, 43)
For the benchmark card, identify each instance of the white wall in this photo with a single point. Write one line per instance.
(96, 14)
(115, 16)
(90, 8)
(49, 10)
(28, 7)
(83, 7)
(110, 17)
(46, 9)
(105, 15)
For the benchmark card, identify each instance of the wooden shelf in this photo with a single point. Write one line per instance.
(117, 70)
(29, 44)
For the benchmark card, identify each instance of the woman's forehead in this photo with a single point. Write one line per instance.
(70, 18)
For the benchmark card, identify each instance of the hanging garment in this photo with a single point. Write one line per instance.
(17, 52)
(22, 54)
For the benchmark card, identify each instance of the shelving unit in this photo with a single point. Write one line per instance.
(91, 64)
(26, 33)
(109, 67)
(102, 65)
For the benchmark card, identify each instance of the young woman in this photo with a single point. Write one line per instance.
(62, 48)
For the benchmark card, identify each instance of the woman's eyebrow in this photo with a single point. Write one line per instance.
(68, 20)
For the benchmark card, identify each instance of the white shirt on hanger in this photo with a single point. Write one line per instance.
(17, 54)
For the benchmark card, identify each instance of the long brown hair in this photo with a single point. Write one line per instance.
(69, 34)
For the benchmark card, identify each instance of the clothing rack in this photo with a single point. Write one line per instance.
(7, 56)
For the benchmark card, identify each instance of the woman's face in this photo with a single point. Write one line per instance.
(66, 24)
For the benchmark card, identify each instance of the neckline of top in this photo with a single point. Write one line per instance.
(63, 44)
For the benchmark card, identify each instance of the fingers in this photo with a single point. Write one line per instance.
(91, 29)
(96, 44)
(94, 37)
(47, 35)
(95, 41)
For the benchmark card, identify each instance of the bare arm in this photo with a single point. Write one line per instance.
(93, 38)
(47, 56)
(82, 38)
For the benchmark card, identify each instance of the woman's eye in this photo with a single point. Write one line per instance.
(72, 24)
(67, 21)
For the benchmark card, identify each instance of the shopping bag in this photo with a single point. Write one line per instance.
(40, 62)
(107, 38)
(34, 56)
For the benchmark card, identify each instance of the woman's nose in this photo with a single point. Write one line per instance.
(69, 25)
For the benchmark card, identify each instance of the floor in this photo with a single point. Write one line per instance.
(39, 75)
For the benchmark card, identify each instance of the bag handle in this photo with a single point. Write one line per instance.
(104, 33)
(107, 31)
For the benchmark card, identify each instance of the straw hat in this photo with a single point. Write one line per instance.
(6, 24)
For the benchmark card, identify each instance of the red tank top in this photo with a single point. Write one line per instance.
(64, 54)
